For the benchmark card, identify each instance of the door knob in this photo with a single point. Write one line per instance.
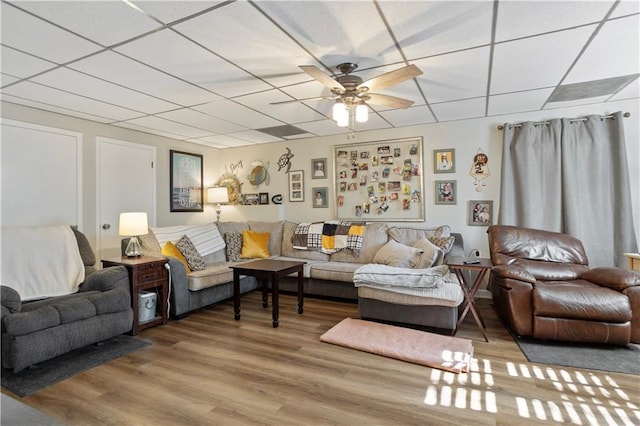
(106, 226)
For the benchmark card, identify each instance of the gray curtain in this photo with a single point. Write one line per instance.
(571, 176)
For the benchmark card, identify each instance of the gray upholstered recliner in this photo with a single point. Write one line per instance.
(39, 330)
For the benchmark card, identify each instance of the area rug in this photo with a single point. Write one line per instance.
(618, 359)
(55, 370)
(419, 347)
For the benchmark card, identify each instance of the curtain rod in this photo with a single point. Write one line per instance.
(626, 114)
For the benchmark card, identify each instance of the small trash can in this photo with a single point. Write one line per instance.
(146, 306)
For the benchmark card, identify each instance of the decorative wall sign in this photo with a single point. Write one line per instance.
(446, 191)
(480, 170)
(480, 213)
(296, 186)
(185, 181)
(259, 173)
(379, 181)
(284, 162)
(444, 160)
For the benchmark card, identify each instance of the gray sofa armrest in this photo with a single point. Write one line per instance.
(106, 279)
(11, 301)
(179, 293)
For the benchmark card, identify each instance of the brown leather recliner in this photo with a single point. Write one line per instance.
(542, 287)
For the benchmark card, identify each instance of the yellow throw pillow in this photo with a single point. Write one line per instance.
(170, 249)
(255, 244)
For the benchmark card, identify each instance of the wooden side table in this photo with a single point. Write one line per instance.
(145, 273)
(633, 261)
(482, 266)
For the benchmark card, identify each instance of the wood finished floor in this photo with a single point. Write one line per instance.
(209, 369)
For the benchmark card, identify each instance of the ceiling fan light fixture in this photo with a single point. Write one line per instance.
(338, 109)
(362, 113)
(343, 118)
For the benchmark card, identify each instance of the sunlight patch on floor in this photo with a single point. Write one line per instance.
(585, 398)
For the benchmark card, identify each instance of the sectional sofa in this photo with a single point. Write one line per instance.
(326, 275)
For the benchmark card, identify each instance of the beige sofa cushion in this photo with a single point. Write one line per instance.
(210, 276)
(275, 234)
(410, 236)
(334, 271)
(375, 236)
(396, 254)
(232, 227)
(289, 251)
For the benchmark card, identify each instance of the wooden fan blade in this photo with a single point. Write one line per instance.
(323, 78)
(391, 78)
(388, 101)
(315, 98)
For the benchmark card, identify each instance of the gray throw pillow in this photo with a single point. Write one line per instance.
(190, 253)
(234, 246)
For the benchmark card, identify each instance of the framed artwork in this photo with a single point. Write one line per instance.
(320, 197)
(185, 181)
(251, 199)
(444, 160)
(319, 168)
(264, 198)
(480, 213)
(446, 191)
(296, 186)
(379, 181)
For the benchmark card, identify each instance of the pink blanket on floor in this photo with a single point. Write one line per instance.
(419, 347)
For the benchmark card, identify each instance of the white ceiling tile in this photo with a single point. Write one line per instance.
(632, 90)
(458, 110)
(243, 35)
(204, 142)
(32, 35)
(129, 73)
(201, 120)
(82, 84)
(54, 108)
(375, 122)
(455, 76)
(626, 7)
(8, 79)
(288, 113)
(517, 64)
(408, 117)
(22, 65)
(170, 11)
(46, 95)
(425, 28)
(323, 128)
(255, 136)
(615, 51)
(177, 56)
(170, 127)
(238, 114)
(532, 100)
(227, 141)
(105, 22)
(150, 130)
(525, 18)
(330, 32)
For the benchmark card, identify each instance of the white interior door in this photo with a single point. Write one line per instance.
(41, 166)
(126, 183)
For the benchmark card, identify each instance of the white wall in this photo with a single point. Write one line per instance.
(464, 136)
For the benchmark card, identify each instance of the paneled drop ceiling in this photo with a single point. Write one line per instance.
(207, 71)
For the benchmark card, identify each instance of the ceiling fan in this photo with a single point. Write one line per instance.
(352, 91)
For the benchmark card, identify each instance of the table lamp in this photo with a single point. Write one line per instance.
(217, 195)
(133, 224)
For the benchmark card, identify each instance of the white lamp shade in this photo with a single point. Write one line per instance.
(343, 118)
(339, 109)
(362, 113)
(133, 224)
(218, 194)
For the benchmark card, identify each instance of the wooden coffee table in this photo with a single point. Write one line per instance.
(266, 270)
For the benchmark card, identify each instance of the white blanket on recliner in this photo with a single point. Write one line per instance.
(41, 262)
